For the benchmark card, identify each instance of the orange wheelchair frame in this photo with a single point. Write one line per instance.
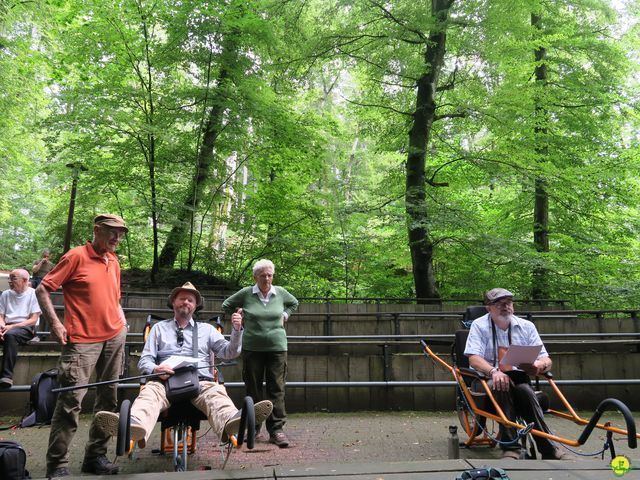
(473, 418)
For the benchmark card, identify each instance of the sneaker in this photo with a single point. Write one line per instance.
(58, 473)
(99, 466)
(6, 382)
(559, 454)
(109, 422)
(261, 409)
(280, 439)
(513, 454)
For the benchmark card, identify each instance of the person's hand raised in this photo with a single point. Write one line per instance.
(236, 319)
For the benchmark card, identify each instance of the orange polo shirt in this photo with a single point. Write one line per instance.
(91, 287)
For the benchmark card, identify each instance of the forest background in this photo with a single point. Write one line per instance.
(369, 148)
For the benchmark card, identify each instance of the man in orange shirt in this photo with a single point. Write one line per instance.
(92, 338)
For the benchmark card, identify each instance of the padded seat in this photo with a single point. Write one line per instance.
(182, 412)
(180, 419)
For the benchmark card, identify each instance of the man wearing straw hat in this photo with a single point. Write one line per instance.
(92, 338)
(175, 337)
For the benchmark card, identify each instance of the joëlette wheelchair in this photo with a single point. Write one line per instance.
(474, 409)
(181, 422)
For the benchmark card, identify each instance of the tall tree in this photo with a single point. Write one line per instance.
(420, 244)
(23, 103)
(540, 288)
(400, 48)
(214, 124)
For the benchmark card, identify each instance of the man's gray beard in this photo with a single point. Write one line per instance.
(504, 318)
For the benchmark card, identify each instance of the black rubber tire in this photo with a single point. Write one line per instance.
(251, 423)
(124, 435)
(247, 424)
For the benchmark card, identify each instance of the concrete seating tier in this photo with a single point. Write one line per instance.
(408, 367)
(401, 321)
(380, 343)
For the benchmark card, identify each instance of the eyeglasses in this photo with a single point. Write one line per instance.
(502, 303)
(180, 336)
(115, 232)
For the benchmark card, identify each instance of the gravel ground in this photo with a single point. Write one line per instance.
(315, 438)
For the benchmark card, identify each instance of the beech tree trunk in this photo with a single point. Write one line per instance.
(540, 277)
(420, 243)
(204, 167)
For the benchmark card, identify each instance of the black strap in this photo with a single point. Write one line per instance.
(495, 340)
(194, 340)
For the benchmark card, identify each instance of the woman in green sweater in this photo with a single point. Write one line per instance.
(265, 308)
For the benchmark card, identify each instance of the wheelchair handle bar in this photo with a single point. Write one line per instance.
(626, 413)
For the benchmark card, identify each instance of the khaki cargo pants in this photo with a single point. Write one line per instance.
(76, 364)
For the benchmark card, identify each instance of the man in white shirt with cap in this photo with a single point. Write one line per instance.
(489, 338)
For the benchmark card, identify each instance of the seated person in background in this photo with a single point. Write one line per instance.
(40, 268)
(174, 337)
(19, 315)
(489, 338)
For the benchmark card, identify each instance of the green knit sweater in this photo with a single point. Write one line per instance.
(263, 329)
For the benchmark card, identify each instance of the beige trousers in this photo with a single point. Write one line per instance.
(213, 401)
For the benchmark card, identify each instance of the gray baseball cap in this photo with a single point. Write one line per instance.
(495, 294)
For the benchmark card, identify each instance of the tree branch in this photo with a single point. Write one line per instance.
(384, 107)
(451, 115)
(390, 16)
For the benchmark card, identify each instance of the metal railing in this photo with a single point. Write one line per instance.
(380, 384)
(331, 300)
(329, 318)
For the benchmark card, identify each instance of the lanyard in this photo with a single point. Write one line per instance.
(495, 340)
(194, 339)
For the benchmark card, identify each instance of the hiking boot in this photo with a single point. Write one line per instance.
(6, 382)
(99, 466)
(261, 409)
(559, 454)
(108, 422)
(279, 439)
(58, 473)
(513, 454)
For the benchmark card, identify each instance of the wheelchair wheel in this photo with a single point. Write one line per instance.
(467, 421)
(247, 424)
(124, 436)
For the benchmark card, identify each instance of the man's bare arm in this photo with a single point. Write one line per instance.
(49, 313)
(32, 320)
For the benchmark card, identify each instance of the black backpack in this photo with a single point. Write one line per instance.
(41, 401)
(484, 473)
(13, 460)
